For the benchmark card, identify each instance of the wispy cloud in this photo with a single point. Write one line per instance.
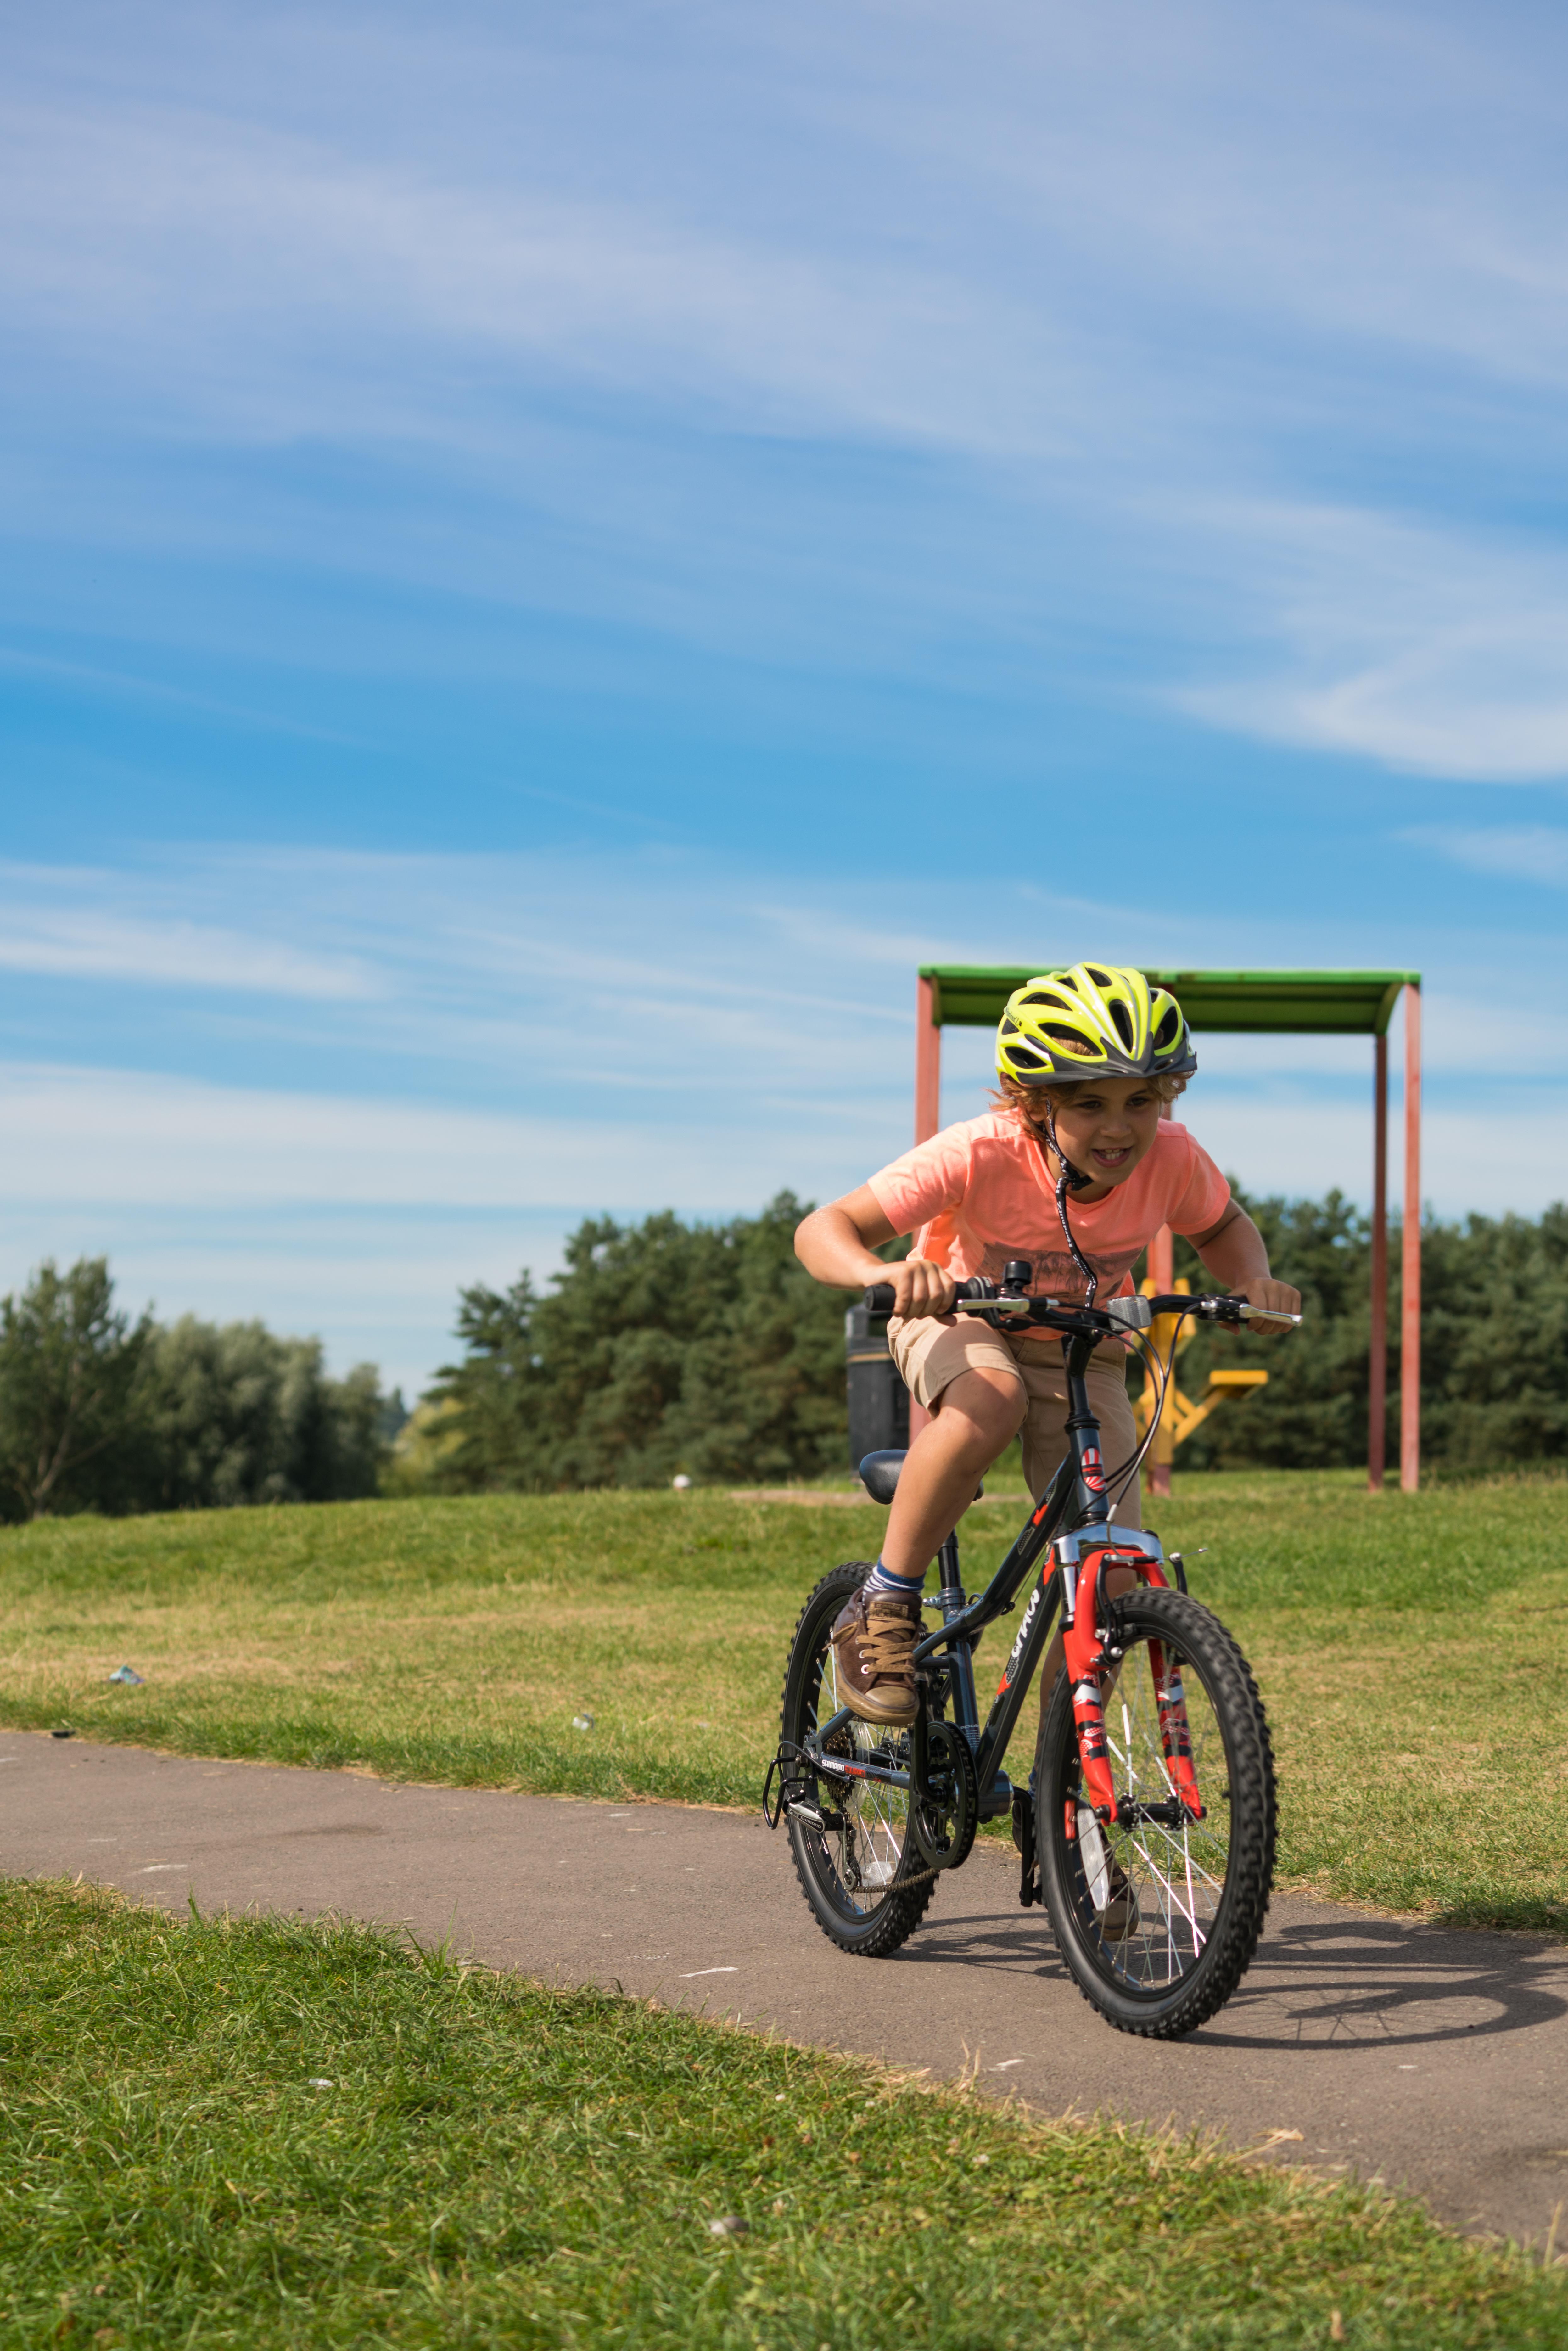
(1176, 272)
(1426, 648)
(1516, 853)
(241, 269)
(181, 955)
(836, 475)
(112, 1137)
(531, 1039)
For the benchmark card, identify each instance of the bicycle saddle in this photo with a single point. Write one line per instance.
(879, 1474)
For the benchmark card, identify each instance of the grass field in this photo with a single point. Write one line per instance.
(240, 2134)
(1411, 1651)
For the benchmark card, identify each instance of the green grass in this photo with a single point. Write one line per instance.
(1411, 1649)
(488, 2163)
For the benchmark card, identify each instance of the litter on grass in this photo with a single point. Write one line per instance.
(319, 2082)
(582, 1722)
(730, 2226)
(128, 1674)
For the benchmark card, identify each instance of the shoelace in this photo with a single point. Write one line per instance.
(886, 1650)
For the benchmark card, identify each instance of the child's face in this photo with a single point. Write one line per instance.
(1106, 1129)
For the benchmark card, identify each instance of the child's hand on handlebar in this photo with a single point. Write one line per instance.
(920, 1289)
(1262, 1295)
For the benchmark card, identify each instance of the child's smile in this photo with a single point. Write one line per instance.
(1107, 1128)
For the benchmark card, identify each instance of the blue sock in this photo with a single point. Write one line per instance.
(893, 1587)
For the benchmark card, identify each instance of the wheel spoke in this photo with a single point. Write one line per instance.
(1176, 1892)
(863, 1859)
(1162, 1943)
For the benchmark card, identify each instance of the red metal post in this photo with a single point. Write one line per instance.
(1377, 1367)
(1410, 1311)
(1162, 1273)
(927, 1109)
(927, 1063)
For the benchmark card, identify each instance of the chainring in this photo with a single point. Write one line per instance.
(944, 1825)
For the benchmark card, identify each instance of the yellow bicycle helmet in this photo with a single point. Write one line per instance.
(1096, 1020)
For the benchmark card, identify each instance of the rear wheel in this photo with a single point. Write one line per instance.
(855, 1853)
(1158, 1914)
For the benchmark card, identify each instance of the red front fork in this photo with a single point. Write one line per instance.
(1084, 1657)
(1086, 1666)
(1176, 1736)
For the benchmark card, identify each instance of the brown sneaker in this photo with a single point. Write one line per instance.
(1120, 1919)
(1116, 1912)
(874, 1641)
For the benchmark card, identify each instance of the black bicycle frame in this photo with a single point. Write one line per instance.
(1077, 1491)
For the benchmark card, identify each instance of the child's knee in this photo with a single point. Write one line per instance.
(995, 1405)
(1007, 1405)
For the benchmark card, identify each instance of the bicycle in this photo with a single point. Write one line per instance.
(1147, 1829)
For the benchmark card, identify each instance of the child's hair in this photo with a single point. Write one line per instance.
(1028, 1103)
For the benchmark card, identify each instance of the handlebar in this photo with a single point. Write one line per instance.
(978, 1296)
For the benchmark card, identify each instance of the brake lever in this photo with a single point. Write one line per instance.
(1237, 1310)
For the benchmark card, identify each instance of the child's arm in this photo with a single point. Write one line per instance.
(837, 1245)
(1234, 1253)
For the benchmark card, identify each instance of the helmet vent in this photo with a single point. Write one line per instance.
(1123, 1020)
(1168, 1030)
(1009, 1026)
(1022, 1058)
(1036, 998)
(1101, 979)
(1071, 1039)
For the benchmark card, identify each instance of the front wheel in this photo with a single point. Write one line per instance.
(1158, 1914)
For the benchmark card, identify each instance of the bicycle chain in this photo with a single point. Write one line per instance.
(904, 1884)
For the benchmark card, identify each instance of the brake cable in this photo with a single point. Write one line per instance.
(1122, 1478)
(1070, 1179)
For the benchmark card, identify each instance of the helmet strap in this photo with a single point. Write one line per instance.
(1070, 1179)
(1074, 1177)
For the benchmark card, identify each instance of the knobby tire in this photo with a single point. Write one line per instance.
(868, 1921)
(1201, 1891)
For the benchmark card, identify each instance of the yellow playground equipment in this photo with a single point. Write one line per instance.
(1180, 1416)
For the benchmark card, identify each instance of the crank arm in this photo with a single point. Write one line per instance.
(886, 1775)
(831, 1824)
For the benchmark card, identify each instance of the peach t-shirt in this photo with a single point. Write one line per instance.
(979, 1194)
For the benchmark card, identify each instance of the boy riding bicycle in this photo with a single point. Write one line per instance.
(1087, 1059)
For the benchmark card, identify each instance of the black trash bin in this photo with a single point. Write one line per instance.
(879, 1400)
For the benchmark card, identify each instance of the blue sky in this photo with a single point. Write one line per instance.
(551, 557)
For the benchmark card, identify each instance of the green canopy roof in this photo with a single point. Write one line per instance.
(1340, 1003)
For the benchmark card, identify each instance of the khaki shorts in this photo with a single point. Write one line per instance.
(930, 1354)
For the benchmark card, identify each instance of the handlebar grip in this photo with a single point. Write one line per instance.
(881, 1296)
(1215, 1309)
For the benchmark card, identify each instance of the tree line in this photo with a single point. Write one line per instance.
(98, 1413)
(665, 1347)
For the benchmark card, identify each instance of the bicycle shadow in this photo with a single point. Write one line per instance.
(1319, 1980)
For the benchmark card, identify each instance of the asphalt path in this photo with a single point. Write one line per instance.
(1430, 2059)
